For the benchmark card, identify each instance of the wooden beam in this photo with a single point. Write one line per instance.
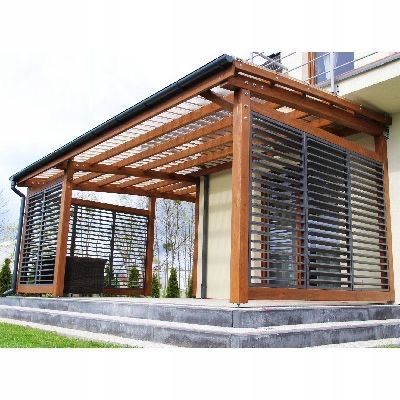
(240, 198)
(63, 230)
(150, 247)
(91, 187)
(317, 132)
(222, 102)
(188, 190)
(292, 84)
(167, 145)
(314, 107)
(264, 293)
(35, 289)
(187, 94)
(214, 169)
(110, 207)
(127, 171)
(381, 149)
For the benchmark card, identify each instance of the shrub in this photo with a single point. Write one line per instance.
(5, 276)
(189, 288)
(155, 286)
(133, 279)
(173, 287)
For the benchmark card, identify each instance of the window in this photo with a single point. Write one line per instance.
(321, 61)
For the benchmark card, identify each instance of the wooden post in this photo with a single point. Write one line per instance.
(240, 198)
(196, 242)
(148, 274)
(63, 229)
(381, 150)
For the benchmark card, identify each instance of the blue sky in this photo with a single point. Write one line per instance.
(68, 66)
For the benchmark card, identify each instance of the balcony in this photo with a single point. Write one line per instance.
(369, 78)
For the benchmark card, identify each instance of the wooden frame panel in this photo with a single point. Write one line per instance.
(381, 149)
(150, 247)
(63, 230)
(240, 198)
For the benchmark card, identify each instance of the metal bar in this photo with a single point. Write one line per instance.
(204, 252)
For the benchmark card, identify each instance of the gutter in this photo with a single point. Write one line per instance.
(217, 65)
(17, 252)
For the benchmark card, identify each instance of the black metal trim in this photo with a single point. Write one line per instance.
(204, 244)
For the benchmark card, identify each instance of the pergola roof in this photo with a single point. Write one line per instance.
(162, 145)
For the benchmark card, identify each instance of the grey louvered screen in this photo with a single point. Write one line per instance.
(277, 206)
(117, 237)
(40, 240)
(317, 213)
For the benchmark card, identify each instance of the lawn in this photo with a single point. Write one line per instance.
(23, 337)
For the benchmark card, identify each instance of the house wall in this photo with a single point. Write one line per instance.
(219, 236)
(394, 192)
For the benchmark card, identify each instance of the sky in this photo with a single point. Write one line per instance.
(67, 66)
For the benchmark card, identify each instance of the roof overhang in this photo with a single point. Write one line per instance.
(161, 146)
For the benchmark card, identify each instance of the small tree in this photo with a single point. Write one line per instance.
(173, 287)
(133, 279)
(189, 288)
(5, 276)
(155, 286)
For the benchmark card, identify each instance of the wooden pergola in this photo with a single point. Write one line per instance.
(164, 150)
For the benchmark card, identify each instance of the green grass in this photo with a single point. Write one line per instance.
(16, 336)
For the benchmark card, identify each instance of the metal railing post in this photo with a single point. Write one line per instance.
(332, 68)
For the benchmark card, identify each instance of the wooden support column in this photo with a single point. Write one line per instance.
(150, 247)
(63, 229)
(196, 242)
(239, 280)
(381, 150)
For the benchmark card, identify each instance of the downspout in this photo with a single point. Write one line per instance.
(17, 252)
(204, 253)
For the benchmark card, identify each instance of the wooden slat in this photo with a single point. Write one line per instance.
(63, 229)
(292, 84)
(128, 171)
(302, 103)
(240, 198)
(320, 133)
(191, 92)
(110, 207)
(381, 149)
(150, 247)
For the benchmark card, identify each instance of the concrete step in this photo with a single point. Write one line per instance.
(195, 335)
(237, 317)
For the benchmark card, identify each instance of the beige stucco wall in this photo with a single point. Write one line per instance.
(219, 236)
(394, 192)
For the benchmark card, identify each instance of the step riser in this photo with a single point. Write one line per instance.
(203, 338)
(236, 317)
(166, 335)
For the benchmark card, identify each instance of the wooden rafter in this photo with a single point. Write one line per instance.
(162, 147)
(224, 103)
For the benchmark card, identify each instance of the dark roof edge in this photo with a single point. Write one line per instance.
(218, 64)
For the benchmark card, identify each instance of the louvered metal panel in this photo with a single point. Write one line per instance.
(317, 213)
(40, 240)
(277, 206)
(117, 237)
